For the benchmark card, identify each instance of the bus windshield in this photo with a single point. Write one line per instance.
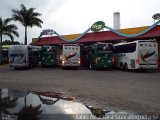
(126, 48)
(104, 47)
(48, 49)
(17, 57)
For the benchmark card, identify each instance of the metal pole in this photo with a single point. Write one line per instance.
(1, 56)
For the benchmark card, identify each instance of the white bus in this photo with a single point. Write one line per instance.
(23, 56)
(70, 55)
(139, 54)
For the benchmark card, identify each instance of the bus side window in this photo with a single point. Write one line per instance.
(128, 48)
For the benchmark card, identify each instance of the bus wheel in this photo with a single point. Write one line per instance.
(126, 67)
(121, 66)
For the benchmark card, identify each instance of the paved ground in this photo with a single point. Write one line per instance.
(112, 89)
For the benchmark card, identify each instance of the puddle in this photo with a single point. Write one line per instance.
(32, 105)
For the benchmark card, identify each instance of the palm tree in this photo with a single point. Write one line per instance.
(30, 113)
(27, 17)
(5, 103)
(8, 30)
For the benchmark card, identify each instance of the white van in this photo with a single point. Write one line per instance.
(22, 56)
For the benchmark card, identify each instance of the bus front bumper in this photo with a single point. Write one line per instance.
(147, 67)
(49, 63)
(18, 65)
(107, 64)
(70, 64)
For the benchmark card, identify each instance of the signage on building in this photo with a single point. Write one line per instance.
(97, 26)
(156, 16)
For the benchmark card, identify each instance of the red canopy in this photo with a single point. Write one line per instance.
(103, 36)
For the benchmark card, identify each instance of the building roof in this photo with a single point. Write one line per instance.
(103, 36)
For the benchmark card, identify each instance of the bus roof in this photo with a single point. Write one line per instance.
(102, 43)
(136, 41)
(70, 44)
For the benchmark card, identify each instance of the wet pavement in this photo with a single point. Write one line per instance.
(51, 105)
(111, 90)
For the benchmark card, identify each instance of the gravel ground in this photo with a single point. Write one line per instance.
(109, 89)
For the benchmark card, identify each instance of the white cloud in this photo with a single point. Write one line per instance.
(75, 16)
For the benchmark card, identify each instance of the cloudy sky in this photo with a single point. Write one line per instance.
(75, 16)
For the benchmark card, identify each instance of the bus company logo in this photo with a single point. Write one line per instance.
(67, 57)
(146, 55)
(154, 45)
(156, 16)
(97, 26)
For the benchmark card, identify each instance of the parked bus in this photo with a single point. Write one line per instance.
(98, 55)
(139, 54)
(70, 55)
(48, 56)
(23, 56)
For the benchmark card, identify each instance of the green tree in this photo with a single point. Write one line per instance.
(27, 17)
(8, 42)
(5, 103)
(8, 30)
(29, 113)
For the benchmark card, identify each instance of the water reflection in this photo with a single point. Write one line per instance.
(29, 113)
(48, 106)
(6, 101)
(100, 113)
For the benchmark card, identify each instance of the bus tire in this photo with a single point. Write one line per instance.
(121, 66)
(126, 67)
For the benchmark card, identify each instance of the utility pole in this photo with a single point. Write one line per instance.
(1, 56)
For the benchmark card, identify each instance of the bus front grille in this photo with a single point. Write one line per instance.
(133, 65)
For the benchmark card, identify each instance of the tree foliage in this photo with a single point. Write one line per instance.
(8, 42)
(27, 17)
(8, 29)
